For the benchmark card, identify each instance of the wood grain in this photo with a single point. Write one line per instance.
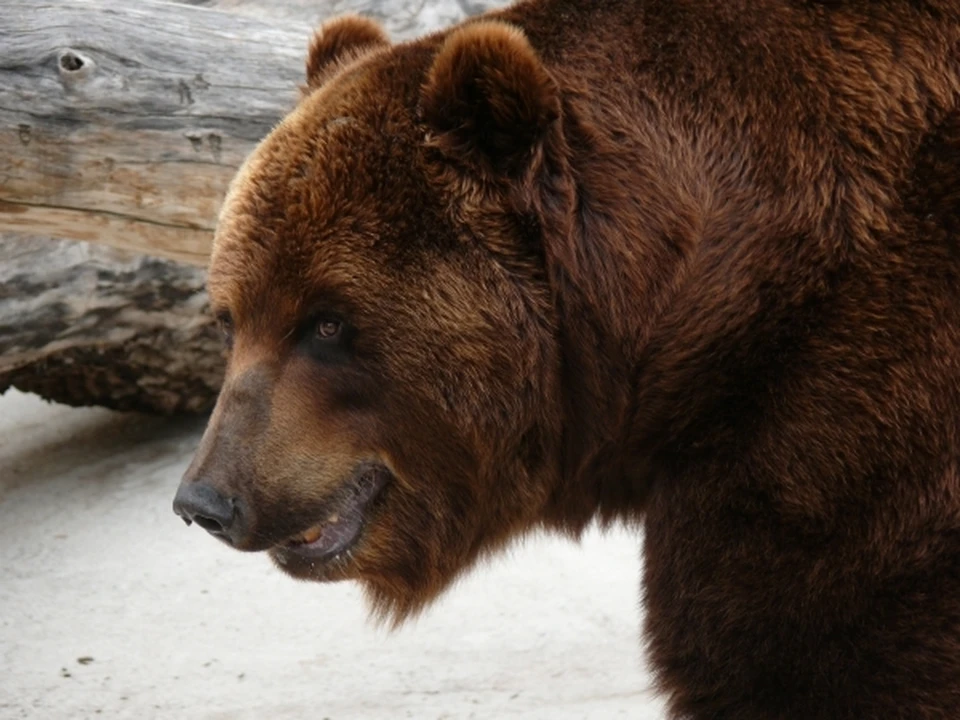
(122, 123)
(87, 324)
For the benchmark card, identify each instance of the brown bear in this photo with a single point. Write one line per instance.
(690, 264)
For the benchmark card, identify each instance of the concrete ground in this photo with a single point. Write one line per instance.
(110, 607)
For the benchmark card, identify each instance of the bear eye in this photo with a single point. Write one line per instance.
(328, 339)
(327, 329)
(225, 323)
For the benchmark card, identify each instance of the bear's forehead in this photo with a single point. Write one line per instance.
(348, 149)
(337, 189)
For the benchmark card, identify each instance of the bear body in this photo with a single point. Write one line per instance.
(691, 264)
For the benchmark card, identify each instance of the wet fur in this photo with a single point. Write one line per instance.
(690, 263)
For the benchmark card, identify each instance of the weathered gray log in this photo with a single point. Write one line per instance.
(88, 324)
(121, 123)
(402, 19)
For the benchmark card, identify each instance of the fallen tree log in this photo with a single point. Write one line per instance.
(121, 124)
(88, 324)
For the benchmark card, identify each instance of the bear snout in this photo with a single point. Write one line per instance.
(215, 487)
(201, 503)
(209, 493)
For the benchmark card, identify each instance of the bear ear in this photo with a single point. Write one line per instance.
(488, 100)
(340, 39)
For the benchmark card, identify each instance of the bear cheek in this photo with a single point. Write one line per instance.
(312, 445)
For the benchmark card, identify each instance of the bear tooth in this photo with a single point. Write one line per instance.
(312, 535)
(333, 519)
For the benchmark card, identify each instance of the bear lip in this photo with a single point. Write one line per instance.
(344, 520)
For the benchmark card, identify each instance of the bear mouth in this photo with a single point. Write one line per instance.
(344, 517)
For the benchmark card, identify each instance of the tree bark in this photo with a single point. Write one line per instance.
(121, 124)
(87, 324)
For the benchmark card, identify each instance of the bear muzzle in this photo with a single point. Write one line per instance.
(219, 515)
(214, 492)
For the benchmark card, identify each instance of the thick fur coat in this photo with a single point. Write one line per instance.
(693, 264)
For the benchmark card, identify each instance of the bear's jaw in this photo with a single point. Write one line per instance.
(343, 523)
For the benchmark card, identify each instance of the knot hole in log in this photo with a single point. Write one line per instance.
(74, 65)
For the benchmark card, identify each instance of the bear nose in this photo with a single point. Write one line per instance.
(197, 502)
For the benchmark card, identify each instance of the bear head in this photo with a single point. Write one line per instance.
(391, 409)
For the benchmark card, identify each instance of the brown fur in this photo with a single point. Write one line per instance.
(690, 263)
(338, 41)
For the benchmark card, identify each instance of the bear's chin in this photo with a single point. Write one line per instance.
(324, 551)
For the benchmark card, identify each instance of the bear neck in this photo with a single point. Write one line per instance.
(616, 258)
